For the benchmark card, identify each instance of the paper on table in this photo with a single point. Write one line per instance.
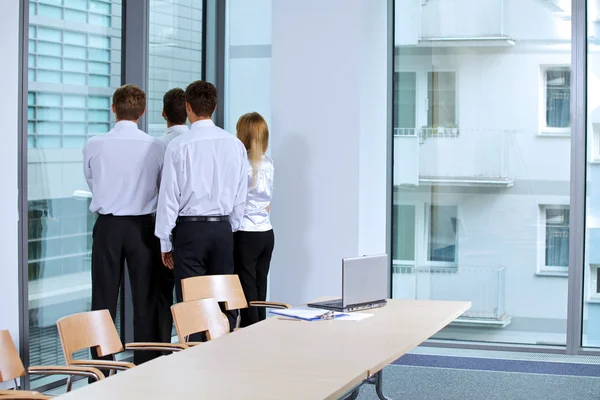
(307, 314)
(355, 317)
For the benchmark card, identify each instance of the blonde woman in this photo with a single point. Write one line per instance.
(254, 241)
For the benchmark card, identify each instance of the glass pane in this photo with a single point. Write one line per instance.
(77, 4)
(100, 20)
(557, 237)
(74, 65)
(75, 38)
(75, 16)
(491, 197)
(102, 42)
(405, 107)
(167, 33)
(48, 76)
(442, 236)
(60, 225)
(99, 102)
(403, 245)
(441, 98)
(75, 52)
(51, 49)
(49, 62)
(558, 97)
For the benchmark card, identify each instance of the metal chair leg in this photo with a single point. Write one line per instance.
(69, 384)
(353, 395)
(379, 386)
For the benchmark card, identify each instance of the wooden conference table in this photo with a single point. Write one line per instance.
(284, 359)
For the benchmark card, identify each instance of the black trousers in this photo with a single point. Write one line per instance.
(252, 255)
(131, 239)
(203, 248)
(165, 286)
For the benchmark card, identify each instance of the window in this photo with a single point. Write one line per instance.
(405, 102)
(74, 66)
(426, 100)
(557, 100)
(175, 53)
(442, 238)
(556, 238)
(441, 99)
(403, 233)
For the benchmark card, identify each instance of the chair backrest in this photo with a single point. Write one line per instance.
(223, 288)
(201, 315)
(93, 329)
(11, 366)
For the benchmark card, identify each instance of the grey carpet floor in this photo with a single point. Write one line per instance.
(426, 383)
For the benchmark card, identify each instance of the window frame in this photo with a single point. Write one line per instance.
(544, 129)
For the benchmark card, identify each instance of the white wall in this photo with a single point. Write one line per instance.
(9, 90)
(321, 118)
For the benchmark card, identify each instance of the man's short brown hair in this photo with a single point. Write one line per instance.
(202, 98)
(174, 106)
(130, 102)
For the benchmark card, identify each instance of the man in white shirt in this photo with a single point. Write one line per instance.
(176, 116)
(202, 193)
(123, 169)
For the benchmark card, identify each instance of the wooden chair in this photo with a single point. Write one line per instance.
(224, 289)
(95, 329)
(199, 316)
(12, 368)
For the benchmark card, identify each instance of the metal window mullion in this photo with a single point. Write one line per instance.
(214, 12)
(391, 21)
(23, 275)
(578, 176)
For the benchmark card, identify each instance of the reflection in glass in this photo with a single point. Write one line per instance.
(482, 164)
(175, 53)
(68, 90)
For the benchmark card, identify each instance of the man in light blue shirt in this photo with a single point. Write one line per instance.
(202, 194)
(123, 168)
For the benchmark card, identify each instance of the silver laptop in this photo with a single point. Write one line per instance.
(364, 285)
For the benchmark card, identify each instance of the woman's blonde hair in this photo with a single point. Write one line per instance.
(253, 131)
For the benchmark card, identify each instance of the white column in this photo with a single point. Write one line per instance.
(9, 91)
(329, 117)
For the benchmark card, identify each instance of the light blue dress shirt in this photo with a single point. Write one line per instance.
(205, 173)
(122, 169)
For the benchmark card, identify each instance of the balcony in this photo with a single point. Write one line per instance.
(483, 287)
(452, 157)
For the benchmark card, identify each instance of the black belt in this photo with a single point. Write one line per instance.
(144, 216)
(202, 218)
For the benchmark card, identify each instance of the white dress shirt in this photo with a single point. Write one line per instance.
(173, 132)
(122, 169)
(260, 191)
(205, 173)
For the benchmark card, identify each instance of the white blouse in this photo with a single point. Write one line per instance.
(260, 191)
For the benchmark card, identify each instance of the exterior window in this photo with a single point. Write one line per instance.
(441, 99)
(403, 233)
(556, 100)
(425, 103)
(405, 102)
(556, 230)
(442, 237)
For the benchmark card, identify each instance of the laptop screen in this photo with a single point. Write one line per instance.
(364, 279)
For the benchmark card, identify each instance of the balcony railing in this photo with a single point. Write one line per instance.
(483, 287)
(452, 156)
